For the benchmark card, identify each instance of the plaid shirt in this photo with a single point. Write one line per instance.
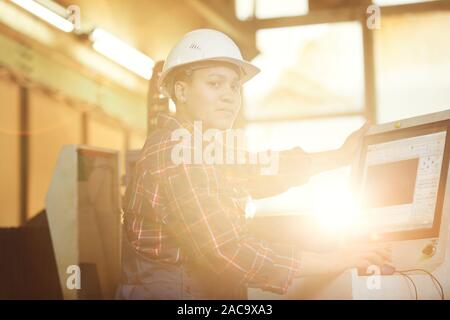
(195, 212)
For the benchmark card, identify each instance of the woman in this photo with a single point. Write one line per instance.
(185, 225)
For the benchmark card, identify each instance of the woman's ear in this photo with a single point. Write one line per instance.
(180, 88)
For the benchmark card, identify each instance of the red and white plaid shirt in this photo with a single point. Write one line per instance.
(185, 212)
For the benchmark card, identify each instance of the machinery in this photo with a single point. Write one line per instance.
(402, 184)
(83, 211)
(402, 178)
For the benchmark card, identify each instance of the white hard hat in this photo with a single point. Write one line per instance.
(204, 45)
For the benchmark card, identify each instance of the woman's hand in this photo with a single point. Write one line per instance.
(329, 160)
(351, 145)
(315, 264)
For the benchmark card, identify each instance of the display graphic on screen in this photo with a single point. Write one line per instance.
(401, 181)
(382, 190)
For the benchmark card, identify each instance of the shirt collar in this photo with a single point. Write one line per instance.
(173, 121)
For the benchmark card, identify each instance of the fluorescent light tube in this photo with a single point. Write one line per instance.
(122, 53)
(45, 14)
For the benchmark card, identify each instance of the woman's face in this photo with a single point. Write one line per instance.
(213, 96)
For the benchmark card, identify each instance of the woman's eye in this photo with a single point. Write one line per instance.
(235, 87)
(214, 84)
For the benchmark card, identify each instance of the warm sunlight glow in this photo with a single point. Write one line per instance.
(334, 205)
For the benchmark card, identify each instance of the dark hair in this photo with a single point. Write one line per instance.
(180, 74)
(184, 74)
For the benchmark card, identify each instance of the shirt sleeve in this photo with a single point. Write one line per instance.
(288, 168)
(210, 225)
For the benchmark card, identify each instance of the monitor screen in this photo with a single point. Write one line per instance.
(403, 181)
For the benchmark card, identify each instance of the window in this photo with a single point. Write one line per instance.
(396, 2)
(307, 71)
(412, 59)
(262, 9)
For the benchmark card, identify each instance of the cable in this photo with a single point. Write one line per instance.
(412, 282)
(439, 284)
(433, 278)
(436, 281)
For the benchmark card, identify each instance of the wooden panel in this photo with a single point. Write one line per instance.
(9, 144)
(52, 125)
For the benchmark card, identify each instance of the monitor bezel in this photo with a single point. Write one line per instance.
(402, 133)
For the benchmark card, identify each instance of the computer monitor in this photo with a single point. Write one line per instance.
(402, 178)
(83, 209)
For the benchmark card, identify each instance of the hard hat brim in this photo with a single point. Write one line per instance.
(248, 71)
